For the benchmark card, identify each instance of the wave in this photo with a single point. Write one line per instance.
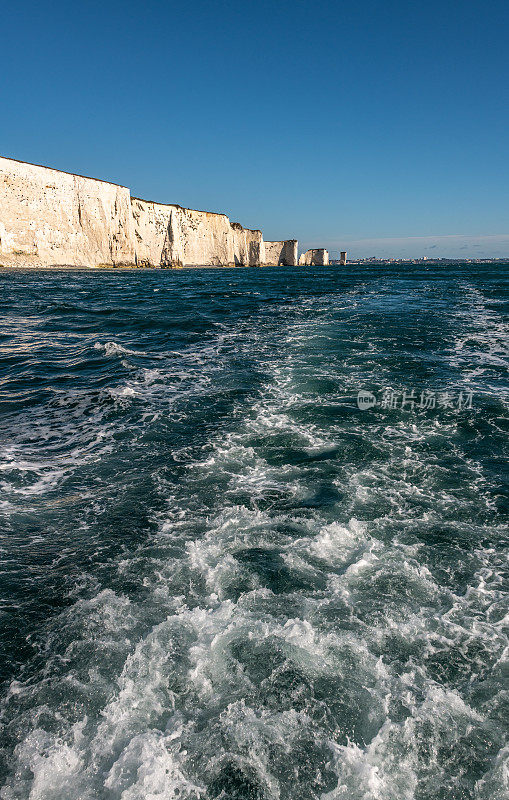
(316, 607)
(115, 349)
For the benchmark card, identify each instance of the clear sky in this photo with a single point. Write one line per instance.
(379, 126)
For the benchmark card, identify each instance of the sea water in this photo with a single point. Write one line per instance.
(220, 578)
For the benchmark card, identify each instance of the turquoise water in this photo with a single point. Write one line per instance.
(220, 578)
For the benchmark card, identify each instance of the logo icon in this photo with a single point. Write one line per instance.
(365, 399)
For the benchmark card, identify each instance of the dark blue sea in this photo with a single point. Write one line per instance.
(221, 579)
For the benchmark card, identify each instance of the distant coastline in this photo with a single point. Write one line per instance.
(434, 262)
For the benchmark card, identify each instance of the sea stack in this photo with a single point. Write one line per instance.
(314, 258)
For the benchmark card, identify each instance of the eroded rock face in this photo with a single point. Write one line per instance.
(169, 235)
(153, 227)
(51, 218)
(314, 258)
(281, 253)
(248, 246)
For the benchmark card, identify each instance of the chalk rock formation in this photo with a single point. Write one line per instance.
(281, 253)
(248, 246)
(314, 258)
(51, 218)
(169, 235)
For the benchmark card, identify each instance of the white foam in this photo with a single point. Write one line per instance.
(208, 669)
(115, 349)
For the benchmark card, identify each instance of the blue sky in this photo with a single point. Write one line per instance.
(382, 127)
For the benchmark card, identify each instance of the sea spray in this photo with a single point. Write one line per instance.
(222, 579)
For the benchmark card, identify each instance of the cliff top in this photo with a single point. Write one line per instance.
(63, 171)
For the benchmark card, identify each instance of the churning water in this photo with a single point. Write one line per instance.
(220, 579)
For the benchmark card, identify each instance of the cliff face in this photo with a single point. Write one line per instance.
(281, 253)
(153, 233)
(169, 235)
(204, 238)
(50, 218)
(248, 246)
(314, 258)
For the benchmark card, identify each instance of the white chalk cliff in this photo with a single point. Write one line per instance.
(281, 253)
(53, 218)
(314, 258)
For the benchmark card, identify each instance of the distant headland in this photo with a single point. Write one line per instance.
(50, 218)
